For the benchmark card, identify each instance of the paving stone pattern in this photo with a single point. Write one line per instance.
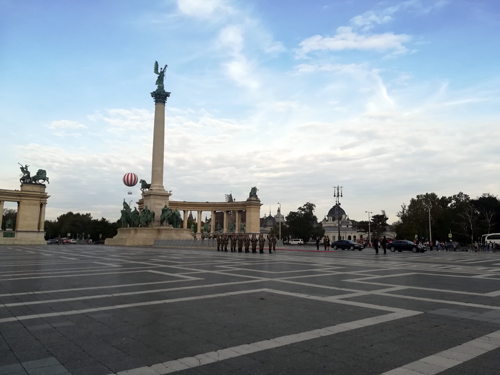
(95, 310)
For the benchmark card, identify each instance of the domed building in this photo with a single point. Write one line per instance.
(338, 218)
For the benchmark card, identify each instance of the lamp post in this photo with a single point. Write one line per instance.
(369, 227)
(337, 194)
(428, 205)
(279, 217)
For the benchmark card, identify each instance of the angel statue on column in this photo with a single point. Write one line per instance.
(161, 75)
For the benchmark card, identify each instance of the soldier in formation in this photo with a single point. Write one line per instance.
(247, 243)
(254, 243)
(226, 241)
(233, 242)
(240, 243)
(218, 242)
(262, 241)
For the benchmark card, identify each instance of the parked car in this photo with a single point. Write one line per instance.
(72, 241)
(346, 245)
(52, 241)
(296, 241)
(401, 245)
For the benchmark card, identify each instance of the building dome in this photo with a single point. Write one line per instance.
(333, 212)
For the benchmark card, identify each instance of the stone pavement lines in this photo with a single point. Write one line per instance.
(452, 357)
(364, 281)
(128, 305)
(88, 288)
(220, 355)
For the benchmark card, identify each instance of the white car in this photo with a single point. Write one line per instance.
(296, 241)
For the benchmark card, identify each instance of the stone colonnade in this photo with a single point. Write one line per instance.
(251, 208)
(31, 203)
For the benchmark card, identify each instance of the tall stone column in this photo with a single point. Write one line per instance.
(224, 226)
(156, 197)
(158, 141)
(185, 219)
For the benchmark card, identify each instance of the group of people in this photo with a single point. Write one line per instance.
(245, 241)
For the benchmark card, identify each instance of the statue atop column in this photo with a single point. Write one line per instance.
(160, 95)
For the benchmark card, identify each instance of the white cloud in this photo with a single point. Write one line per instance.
(202, 8)
(66, 124)
(347, 39)
(231, 37)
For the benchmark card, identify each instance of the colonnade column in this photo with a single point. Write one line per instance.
(237, 222)
(212, 223)
(185, 220)
(42, 217)
(199, 222)
(225, 222)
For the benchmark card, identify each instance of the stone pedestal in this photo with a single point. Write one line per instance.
(253, 215)
(155, 200)
(147, 236)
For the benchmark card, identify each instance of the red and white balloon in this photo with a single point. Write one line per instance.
(130, 179)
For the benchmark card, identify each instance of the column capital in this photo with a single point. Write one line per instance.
(160, 95)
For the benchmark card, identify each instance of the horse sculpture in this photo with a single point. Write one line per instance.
(165, 215)
(144, 185)
(125, 217)
(41, 175)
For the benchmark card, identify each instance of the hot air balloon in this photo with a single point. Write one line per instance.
(130, 179)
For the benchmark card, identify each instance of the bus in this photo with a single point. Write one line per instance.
(490, 237)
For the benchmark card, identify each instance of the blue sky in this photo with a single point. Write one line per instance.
(387, 99)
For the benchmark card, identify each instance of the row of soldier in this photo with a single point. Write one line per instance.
(241, 241)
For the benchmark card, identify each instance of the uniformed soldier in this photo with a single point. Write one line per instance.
(218, 242)
(247, 243)
(262, 241)
(273, 238)
(240, 243)
(270, 243)
(232, 238)
(226, 241)
(254, 243)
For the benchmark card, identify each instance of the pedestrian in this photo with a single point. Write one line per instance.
(328, 243)
(317, 242)
(325, 242)
(375, 244)
(384, 244)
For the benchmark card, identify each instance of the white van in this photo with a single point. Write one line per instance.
(296, 241)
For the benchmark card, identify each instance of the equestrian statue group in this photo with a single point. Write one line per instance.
(134, 219)
(38, 178)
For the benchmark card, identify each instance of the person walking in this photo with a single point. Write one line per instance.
(384, 244)
(375, 244)
(317, 242)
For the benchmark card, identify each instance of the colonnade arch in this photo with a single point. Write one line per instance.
(31, 203)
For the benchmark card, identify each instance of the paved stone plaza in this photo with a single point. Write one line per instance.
(107, 310)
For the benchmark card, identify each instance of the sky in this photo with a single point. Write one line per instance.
(387, 99)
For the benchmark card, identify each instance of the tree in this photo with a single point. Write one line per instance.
(378, 225)
(488, 207)
(303, 223)
(79, 224)
(466, 215)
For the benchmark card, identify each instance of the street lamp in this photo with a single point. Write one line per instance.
(428, 205)
(279, 218)
(337, 193)
(369, 227)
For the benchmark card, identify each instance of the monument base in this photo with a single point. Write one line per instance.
(147, 236)
(22, 238)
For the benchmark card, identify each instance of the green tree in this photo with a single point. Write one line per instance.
(303, 223)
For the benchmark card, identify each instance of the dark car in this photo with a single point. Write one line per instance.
(346, 245)
(401, 245)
